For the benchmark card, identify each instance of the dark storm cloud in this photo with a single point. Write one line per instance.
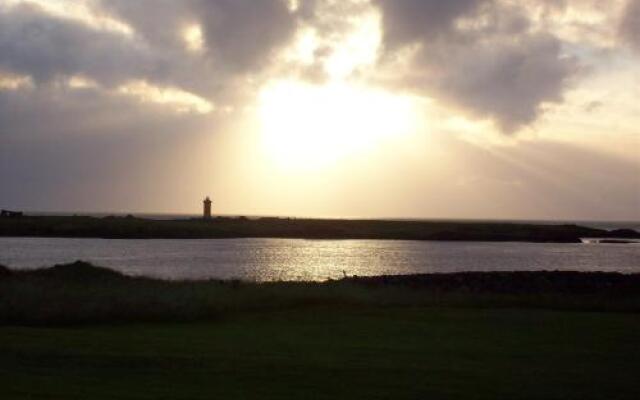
(244, 33)
(240, 35)
(505, 81)
(239, 38)
(479, 56)
(419, 20)
(45, 48)
(62, 146)
(496, 69)
(630, 25)
(156, 21)
(95, 148)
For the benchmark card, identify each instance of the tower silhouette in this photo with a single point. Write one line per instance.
(207, 208)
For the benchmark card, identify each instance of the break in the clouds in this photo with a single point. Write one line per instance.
(140, 70)
(489, 59)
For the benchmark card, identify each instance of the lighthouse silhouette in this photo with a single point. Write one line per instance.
(207, 208)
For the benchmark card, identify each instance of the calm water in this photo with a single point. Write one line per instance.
(293, 259)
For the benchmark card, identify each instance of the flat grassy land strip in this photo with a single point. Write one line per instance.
(333, 353)
(225, 227)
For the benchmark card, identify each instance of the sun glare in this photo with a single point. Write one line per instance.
(193, 38)
(306, 126)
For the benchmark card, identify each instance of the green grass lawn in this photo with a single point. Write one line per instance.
(333, 353)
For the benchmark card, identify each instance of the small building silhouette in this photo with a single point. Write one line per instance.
(207, 208)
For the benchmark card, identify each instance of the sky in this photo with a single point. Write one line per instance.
(458, 109)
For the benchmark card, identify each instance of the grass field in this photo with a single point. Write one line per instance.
(326, 353)
(78, 331)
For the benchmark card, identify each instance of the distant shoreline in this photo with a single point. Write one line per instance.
(596, 224)
(130, 227)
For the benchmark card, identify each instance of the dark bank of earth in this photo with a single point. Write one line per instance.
(81, 293)
(131, 227)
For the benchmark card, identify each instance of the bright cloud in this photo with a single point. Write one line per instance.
(180, 100)
(322, 82)
(81, 11)
(10, 81)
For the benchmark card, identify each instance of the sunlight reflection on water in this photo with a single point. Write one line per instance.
(295, 259)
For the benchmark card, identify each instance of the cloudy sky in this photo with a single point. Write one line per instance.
(372, 108)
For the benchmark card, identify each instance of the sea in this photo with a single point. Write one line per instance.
(312, 260)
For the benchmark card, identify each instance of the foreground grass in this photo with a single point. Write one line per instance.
(333, 353)
(77, 332)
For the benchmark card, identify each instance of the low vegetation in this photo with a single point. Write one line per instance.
(132, 227)
(77, 331)
(81, 293)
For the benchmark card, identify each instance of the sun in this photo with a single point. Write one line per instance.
(306, 126)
